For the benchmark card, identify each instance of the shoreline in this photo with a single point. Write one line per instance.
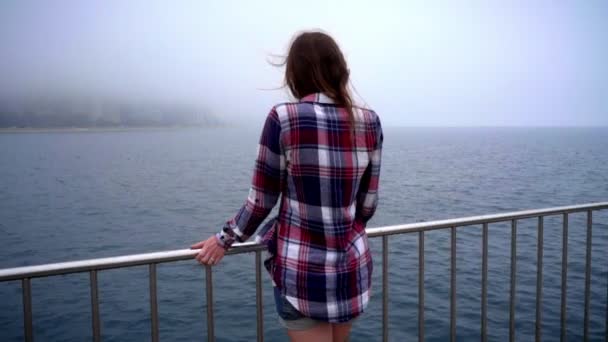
(100, 129)
(163, 128)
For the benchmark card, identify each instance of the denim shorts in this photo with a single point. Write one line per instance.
(289, 317)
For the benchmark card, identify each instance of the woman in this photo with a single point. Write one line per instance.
(322, 154)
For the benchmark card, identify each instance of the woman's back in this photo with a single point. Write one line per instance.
(329, 168)
(326, 157)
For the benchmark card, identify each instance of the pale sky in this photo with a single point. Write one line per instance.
(417, 63)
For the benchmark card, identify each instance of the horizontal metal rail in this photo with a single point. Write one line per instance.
(247, 247)
(26, 273)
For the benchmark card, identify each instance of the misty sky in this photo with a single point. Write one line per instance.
(416, 63)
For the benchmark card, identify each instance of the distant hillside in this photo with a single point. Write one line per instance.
(89, 114)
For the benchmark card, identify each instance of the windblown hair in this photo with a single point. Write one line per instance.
(315, 64)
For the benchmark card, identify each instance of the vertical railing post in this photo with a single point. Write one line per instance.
(95, 307)
(484, 284)
(587, 275)
(209, 292)
(153, 303)
(259, 305)
(564, 289)
(453, 284)
(385, 288)
(539, 280)
(28, 329)
(421, 286)
(513, 280)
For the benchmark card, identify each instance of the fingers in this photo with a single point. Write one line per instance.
(199, 256)
(203, 255)
(207, 257)
(198, 245)
(210, 252)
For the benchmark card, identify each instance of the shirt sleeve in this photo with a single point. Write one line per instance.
(266, 186)
(367, 195)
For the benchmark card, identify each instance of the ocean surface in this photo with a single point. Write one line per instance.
(77, 195)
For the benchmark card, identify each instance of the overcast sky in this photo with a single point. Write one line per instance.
(416, 63)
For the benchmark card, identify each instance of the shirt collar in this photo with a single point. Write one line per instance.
(317, 97)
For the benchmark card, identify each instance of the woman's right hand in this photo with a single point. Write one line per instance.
(211, 252)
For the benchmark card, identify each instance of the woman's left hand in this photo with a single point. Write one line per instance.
(211, 252)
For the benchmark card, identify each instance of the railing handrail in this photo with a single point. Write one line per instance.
(86, 265)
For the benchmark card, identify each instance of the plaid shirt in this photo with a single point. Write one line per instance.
(319, 254)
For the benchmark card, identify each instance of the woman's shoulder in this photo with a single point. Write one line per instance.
(288, 111)
(366, 110)
(294, 104)
(284, 105)
(282, 108)
(367, 114)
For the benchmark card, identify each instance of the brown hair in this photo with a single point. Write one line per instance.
(315, 64)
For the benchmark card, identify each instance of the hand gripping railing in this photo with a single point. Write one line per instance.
(93, 266)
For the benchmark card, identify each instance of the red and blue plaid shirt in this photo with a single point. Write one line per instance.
(327, 174)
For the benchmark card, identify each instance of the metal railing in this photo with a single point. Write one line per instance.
(93, 266)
